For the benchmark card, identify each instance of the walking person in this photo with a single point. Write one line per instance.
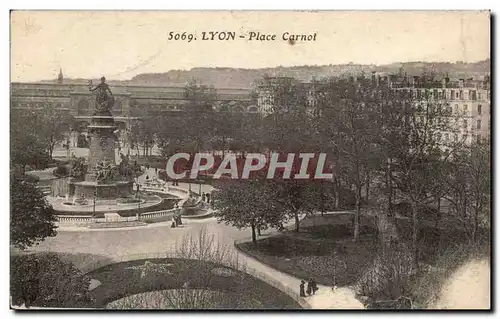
(203, 197)
(302, 292)
(314, 286)
(309, 288)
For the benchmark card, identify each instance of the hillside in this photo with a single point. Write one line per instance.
(245, 78)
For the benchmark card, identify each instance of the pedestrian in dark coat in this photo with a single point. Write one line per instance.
(302, 292)
(314, 286)
(309, 288)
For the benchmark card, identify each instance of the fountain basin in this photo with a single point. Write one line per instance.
(89, 190)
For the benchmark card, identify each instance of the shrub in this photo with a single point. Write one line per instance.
(389, 277)
(127, 200)
(44, 280)
(31, 178)
(61, 171)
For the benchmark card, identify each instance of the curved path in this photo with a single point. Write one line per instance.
(112, 244)
(151, 239)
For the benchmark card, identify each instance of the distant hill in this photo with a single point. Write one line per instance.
(245, 78)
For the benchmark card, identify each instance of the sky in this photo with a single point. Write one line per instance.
(120, 45)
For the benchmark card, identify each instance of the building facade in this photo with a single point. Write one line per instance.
(465, 104)
(130, 100)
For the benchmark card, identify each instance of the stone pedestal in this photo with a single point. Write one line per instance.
(102, 149)
(103, 191)
(102, 141)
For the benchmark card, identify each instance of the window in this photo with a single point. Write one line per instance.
(479, 109)
(478, 138)
(465, 109)
(478, 124)
(456, 108)
(479, 95)
(452, 94)
(457, 95)
(465, 124)
(473, 95)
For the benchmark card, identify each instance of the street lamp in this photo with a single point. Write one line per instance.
(93, 205)
(138, 195)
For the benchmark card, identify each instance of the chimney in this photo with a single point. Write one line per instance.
(443, 83)
(373, 78)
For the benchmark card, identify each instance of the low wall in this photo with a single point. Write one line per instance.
(290, 291)
(162, 215)
(75, 220)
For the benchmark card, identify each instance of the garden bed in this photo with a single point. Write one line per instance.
(332, 261)
(240, 291)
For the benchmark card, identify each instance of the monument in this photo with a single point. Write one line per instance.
(103, 179)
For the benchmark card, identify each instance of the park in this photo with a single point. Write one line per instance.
(384, 226)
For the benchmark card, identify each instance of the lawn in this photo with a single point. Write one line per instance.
(324, 249)
(239, 290)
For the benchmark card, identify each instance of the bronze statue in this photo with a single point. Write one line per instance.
(105, 171)
(104, 101)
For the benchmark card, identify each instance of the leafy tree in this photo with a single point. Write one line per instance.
(31, 218)
(43, 280)
(248, 203)
(52, 126)
(26, 145)
(298, 197)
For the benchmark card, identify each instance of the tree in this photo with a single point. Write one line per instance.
(248, 203)
(144, 130)
(52, 125)
(298, 197)
(418, 155)
(346, 127)
(199, 114)
(31, 218)
(26, 146)
(469, 186)
(43, 280)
